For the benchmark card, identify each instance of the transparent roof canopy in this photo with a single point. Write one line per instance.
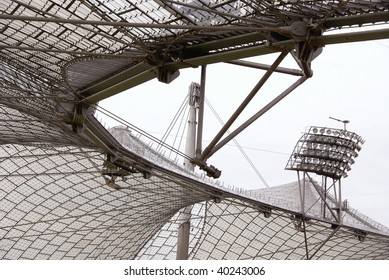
(70, 189)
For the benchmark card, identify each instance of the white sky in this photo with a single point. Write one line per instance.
(350, 82)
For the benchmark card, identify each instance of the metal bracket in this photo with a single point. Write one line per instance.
(165, 73)
(78, 118)
(211, 170)
(302, 31)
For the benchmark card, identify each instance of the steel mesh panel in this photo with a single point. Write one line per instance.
(249, 234)
(44, 35)
(56, 205)
(20, 127)
(235, 231)
(164, 244)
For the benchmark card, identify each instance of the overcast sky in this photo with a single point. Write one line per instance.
(350, 82)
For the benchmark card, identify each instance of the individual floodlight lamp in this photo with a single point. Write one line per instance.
(325, 151)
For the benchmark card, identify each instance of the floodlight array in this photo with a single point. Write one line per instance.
(325, 151)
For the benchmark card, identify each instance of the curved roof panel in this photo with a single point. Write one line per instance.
(70, 189)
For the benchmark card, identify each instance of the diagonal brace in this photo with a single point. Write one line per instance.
(207, 151)
(257, 115)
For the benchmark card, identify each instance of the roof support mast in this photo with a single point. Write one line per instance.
(190, 150)
(303, 51)
(201, 157)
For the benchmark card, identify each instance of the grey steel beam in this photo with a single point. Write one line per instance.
(213, 11)
(329, 22)
(305, 238)
(336, 217)
(352, 37)
(133, 24)
(119, 83)
(282, 45)
(324, 242)
(40, 11)
(200, 125)
(226, 56)
(206, 153)
(257, 115)
(86, 53)
(350, 20)
(224, 43)
(262, 66)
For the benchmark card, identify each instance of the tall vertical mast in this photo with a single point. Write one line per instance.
(190, 149)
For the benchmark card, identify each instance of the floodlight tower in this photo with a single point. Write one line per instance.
(329, 153)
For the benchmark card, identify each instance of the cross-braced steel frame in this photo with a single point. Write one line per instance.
(72, 189)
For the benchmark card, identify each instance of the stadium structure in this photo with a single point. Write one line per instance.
(72, 189)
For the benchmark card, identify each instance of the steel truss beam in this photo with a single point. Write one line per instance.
(209, 150)
(134, 24)
(336, 22)
(229, 56)
(217, 143)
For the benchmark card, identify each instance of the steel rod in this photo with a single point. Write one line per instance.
(323, 198)
(206, 153)
(300, 192)
(200, 120)
(263, 66)
(324, 242)
(257, 115)
(303, 193)
(85, 53)
(134, 24)
(359, 19)
(305, 239)
(106, 35)
(340, 200)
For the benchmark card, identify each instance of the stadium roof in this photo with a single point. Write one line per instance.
(70, 189)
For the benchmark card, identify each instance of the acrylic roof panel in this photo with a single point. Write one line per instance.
(58, 197)
(49, 36)
(239, 229)
(56, 205)
(233, 230)
(58, 57)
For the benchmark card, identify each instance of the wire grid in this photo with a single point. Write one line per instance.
(55, 204)
(48, 46)
(233, 230)
(163, 245)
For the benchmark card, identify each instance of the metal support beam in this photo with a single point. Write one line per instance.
(340, 203)
(183, 241)
(352, 37)
(206, 153)
(75, 53)
(90, 29)
(359, 19)
(200, 124)
(130, 78)
(301, 191)
(305, 238)
(257, 115)
(323, 199)
(185, 213)
(134, 24)
(324, 242)
(262, 66)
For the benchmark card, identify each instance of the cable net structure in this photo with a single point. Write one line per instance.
(72, 189)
